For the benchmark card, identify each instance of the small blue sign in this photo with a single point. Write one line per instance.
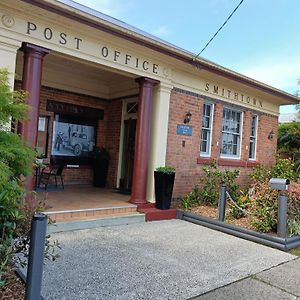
(184, 130)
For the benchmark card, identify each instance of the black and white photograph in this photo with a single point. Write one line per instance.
(72, 139)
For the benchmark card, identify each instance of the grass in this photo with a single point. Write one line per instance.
(295, 251)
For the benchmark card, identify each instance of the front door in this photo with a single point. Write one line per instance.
(128, 155)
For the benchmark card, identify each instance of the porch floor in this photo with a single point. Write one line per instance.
(81, 202)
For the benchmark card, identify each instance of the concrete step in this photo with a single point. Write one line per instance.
(90, 213)
(112, 220)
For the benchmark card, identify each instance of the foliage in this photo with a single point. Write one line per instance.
(264, 205)
(192, 198)
(284, 168)
(166, 170)
(12, 103)
(212, 180)
(243, 202)
(289, 142)
(293, 227)
(16, 160)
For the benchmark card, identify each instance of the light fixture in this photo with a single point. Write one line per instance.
(187, 117)
(271, 135)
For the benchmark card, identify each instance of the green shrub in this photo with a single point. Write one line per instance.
(243, 201)
(16, 161)
(284, 168)
(191, 199)
(293, 227)
(264, 206)
(166, 170)
(211, 183)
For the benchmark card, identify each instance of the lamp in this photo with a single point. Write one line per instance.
(271, 135)
(187, 117)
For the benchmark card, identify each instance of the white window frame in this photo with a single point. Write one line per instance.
(229, 156)
(210, 129)
(255, 136)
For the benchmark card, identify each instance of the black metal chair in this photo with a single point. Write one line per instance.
(53, 171)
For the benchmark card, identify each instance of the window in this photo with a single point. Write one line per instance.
(253, 134)
(205, 143)
(231, 133)
(43, 136)
(132, 108)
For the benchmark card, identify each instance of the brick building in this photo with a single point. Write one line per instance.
(96, 81)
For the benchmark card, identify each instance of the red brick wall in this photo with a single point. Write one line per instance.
(112, 141)
(187, 160)
(108, 131)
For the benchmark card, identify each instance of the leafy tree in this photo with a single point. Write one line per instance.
(289, 142)
(15, 162)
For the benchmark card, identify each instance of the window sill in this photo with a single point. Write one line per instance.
(227, 162)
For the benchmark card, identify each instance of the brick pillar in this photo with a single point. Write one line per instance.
(31, 82)
(142, 143)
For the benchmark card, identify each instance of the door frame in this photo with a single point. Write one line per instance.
(125, 116)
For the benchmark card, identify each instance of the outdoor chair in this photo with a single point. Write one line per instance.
(53, 171)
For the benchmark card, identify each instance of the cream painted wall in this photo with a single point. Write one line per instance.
(8, 53)
(169, 70)
(159, 134)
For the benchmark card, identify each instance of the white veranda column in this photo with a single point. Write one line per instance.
(8, 56)
(159, 133)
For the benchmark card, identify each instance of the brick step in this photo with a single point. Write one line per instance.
(154, 214)
(90, 213)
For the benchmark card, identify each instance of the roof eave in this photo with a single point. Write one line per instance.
(101, 21)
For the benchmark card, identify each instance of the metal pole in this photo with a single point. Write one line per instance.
(222, 203)
(36, 257)
(282, 215)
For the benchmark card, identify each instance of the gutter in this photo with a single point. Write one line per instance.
(103, 22)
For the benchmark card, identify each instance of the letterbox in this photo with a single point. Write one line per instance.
(279, 184)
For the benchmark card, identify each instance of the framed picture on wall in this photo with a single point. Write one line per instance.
(73, 138)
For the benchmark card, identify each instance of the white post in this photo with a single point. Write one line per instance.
(8, 56)
(159, 133)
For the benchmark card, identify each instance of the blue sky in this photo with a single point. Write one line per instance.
(261, 40)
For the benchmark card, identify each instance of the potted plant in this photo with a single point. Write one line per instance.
(100, 166)
(163, 182)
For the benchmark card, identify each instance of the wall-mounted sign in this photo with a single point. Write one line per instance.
(184, 130)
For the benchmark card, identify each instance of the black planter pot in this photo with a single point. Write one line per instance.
(100, 172)
(164, 183)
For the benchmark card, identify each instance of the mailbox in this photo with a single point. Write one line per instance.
(279, 184)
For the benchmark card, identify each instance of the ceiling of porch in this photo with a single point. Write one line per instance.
(73, 75)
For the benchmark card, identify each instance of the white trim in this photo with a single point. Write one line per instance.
(256, 136)
(241, 136)
(125, 116)
(212, 112)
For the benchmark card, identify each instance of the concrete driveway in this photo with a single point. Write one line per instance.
(156, 260)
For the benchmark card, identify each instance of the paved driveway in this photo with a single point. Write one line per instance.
(156, 260)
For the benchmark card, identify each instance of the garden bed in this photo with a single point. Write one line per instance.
(14, 288)
(284, 244)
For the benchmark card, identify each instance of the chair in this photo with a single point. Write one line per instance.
(53, 171)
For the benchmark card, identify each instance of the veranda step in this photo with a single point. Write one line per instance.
(154, 214)
(119, 219)
(90, 213)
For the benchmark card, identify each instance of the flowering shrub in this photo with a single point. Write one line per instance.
(264, 205)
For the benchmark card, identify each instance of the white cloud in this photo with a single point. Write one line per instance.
(276, 72)
(161, 31)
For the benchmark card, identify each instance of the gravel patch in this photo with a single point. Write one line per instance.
(171, 259)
